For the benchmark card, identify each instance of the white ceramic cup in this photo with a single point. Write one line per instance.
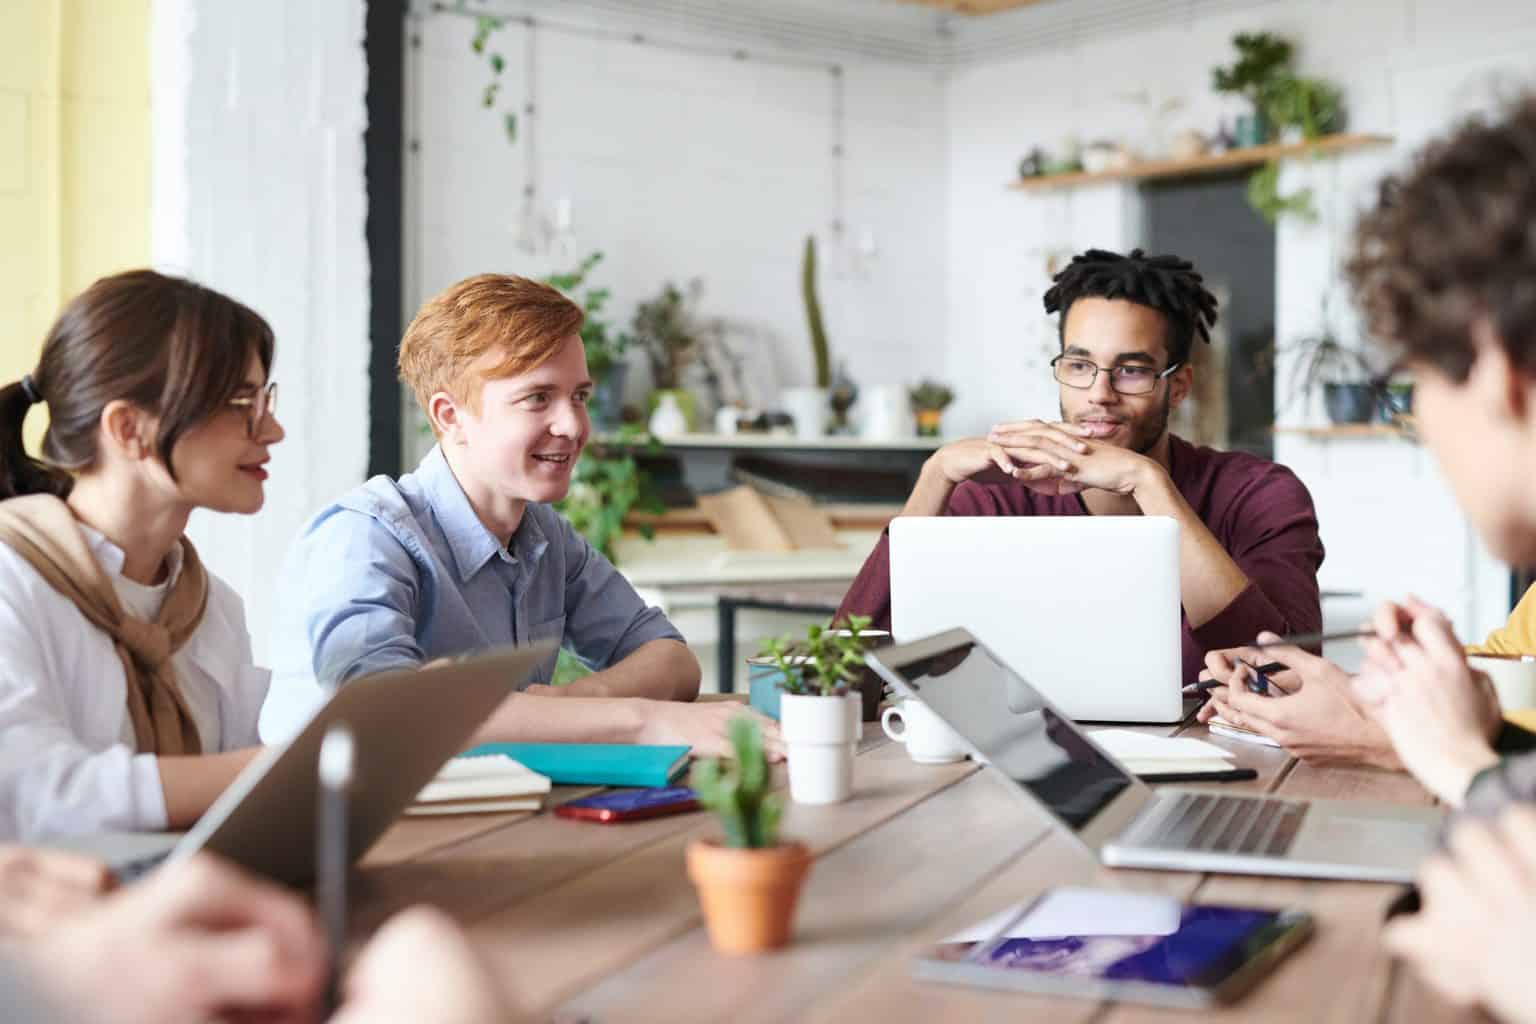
(1513, 676)
(927, 739)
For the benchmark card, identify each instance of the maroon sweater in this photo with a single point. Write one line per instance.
(1259, 512)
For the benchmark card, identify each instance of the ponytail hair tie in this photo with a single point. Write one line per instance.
(29, 386)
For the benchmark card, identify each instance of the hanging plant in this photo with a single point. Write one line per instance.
(1265, 198)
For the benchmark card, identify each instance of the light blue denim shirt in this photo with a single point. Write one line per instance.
(399, 573)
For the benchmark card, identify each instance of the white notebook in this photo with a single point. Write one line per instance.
(1157, 755)
(474, 785)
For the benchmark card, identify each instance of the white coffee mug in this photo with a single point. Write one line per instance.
(1513, 677)
(927, 739)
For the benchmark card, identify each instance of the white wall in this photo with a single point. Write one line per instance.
(692, 165)
(259, 192)
(1409, 68)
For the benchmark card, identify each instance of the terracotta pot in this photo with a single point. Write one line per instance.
(748, 896)
(928, 421)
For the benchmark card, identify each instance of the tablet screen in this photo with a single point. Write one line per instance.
(1151, 939)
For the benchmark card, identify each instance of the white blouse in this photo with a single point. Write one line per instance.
(67, 761)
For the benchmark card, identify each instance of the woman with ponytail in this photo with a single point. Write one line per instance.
(128, 694)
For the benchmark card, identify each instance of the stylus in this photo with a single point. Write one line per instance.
(336, 768)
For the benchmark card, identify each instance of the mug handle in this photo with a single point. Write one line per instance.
(885, 723)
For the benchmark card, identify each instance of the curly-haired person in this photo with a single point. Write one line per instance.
(1249, 549)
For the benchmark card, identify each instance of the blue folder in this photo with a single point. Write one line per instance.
(595, 764)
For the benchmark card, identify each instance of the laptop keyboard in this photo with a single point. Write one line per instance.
(1211, 823)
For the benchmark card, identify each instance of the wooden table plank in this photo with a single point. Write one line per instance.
(888, 992)
(556, 943)
(860, 899)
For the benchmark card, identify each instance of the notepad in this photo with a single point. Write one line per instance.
(1159, 755)
(481, 785)
(594, 764)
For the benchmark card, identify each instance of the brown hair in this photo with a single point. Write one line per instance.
(171, 347)
(1453, 241)
(529, 321)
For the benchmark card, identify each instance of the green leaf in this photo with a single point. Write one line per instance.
(510, 122)
(498, 63)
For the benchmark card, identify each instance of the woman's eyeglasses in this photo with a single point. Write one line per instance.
(257, 408)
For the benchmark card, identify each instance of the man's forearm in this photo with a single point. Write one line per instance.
(524, 718)
(931, 495)
(1208, 578)
(659, 670)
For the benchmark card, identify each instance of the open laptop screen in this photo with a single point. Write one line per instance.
(1002, 716)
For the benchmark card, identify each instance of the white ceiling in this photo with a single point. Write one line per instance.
(886, 29)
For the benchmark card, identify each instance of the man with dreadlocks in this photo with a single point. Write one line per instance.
(1249, 549)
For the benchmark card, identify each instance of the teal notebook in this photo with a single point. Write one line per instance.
(594, 764)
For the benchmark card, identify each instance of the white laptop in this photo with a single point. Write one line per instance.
(1051, 763)
(405, 724)
(1086, 606)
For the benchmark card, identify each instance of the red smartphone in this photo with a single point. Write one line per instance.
(630, 805)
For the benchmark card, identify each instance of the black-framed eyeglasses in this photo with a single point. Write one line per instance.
(257, 408)
(1127, 378)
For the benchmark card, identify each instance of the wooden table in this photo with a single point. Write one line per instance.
(600, 923)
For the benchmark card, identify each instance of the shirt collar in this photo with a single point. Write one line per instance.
(111, 557)
(471, 544)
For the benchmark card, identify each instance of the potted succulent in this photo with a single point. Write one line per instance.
(821, 707)
(748, 881)
(663, 327)
(604, 346)
(929, 400)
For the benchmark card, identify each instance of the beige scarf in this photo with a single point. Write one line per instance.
(41, 529)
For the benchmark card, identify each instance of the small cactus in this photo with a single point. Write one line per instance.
(739, 792)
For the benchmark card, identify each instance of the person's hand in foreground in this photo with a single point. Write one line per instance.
(40, 888)
(194, 941)
(1470, 940)
(1310, 710)
(420, 967)
(1440, 715)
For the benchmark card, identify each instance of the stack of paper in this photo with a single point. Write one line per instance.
(477, 785)
(1155, 755)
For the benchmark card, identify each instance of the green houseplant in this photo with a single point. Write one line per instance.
(663, 328)
(605, 346)
(748, 881)
(1260, 56)
(821, 706)
(1282, 102)
(1351, 390)
(607, 484)
(929, 400)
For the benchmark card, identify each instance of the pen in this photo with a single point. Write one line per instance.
(1235, 775)
(1211, 684)
(336, 768)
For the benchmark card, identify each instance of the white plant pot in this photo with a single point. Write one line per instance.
(822, 736)
(809, 408)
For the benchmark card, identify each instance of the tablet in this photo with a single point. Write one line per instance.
(1136, 947)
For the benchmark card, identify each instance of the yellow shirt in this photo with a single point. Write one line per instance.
(1518, 635)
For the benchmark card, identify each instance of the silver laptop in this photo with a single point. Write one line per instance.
(405, 724)
(1053, 764)
(1086, 606)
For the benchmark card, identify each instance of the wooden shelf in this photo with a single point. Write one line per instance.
(1232, 159)
(1352, 431)
(844, 516)
(788, 442)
